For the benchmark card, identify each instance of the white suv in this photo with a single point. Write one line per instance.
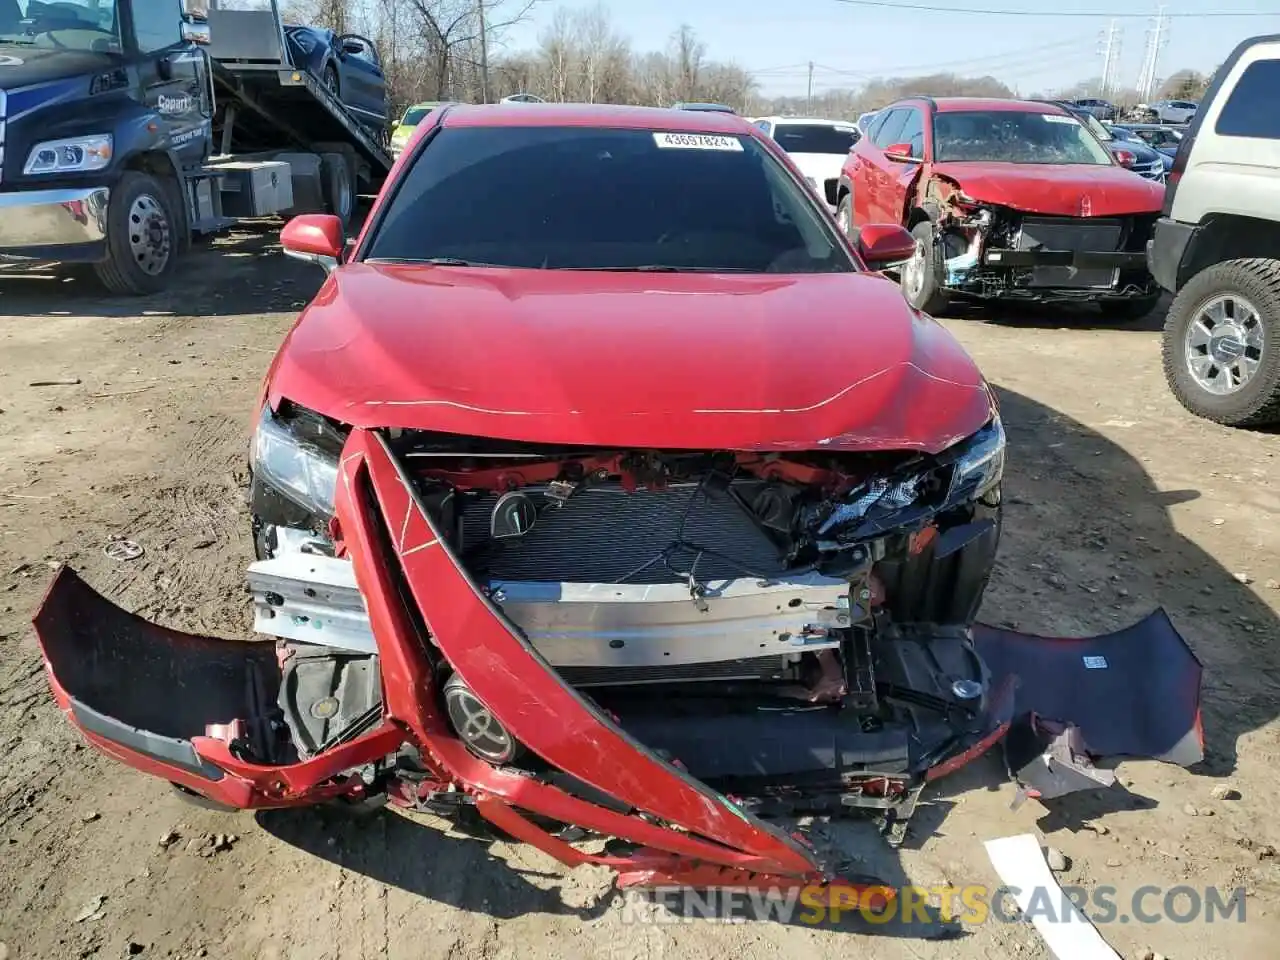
(1217, 246)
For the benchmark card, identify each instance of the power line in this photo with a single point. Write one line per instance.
(996, 61)
(1096, 14)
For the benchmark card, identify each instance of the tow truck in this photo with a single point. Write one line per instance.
(130, 127)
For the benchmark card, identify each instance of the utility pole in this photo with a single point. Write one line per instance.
(484, 55)
(809, 104)
(1157, 37)
(1110, 52)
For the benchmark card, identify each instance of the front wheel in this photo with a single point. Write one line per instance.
(922, 277)
(1221, 344)
(844, 214)
(142, 240)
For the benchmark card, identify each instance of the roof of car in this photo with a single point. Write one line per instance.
(815, 121)
(594, 115)
(951, 104)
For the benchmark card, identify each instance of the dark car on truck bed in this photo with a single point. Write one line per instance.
(1007, 200)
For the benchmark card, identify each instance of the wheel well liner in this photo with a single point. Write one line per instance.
(1225, 237)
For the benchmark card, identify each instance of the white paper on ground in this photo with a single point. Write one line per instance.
(1067, 933)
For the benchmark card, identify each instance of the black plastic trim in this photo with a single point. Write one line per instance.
(175, 752)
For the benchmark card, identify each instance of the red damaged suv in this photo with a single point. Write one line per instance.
(602, 487)
(1007, 200)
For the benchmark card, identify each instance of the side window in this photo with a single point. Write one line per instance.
(157, 24)
(913, 133)
(877, 121)
(888, 131)
(1250, 110)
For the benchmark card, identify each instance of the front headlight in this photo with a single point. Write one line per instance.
(73, 155)
(979, 466)
(300, 471)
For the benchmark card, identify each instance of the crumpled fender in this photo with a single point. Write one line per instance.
(518, 686)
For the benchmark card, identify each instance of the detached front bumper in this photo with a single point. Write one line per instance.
(62, 224)
(202, 712)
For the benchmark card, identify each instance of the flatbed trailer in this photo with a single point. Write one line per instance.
(157, 142)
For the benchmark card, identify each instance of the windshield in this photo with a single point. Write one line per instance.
(61, 25)
(1014, 136)
(596, 199)
(815, 138)
(413, 116)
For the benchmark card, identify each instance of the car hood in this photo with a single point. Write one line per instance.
(1056, 189)
(49, 72)
(693, 361)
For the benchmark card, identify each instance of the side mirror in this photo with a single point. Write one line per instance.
(314, 238)
(352, 46)
(1126, 158)
(900, 153)
(885, 245)
(195, 32)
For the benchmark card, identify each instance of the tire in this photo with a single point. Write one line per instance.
(927, 293)
(339, 186)
(1246, 295)
(142, 236)
(330, 80)
(844, 215)
(1126, 311)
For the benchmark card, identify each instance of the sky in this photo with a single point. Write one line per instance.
(852, 42)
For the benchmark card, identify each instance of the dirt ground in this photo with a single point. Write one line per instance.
(1118, 502)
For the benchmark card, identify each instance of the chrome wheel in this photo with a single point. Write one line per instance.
(150, 237)
(1224, 344)
(911, 275)
(844, 218)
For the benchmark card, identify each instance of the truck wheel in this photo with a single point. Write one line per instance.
(922, 276)
(1123, 311)
(142, 236)
(844, 214)
(1222, 343)
(339, 186)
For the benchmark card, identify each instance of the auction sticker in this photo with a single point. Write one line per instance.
(1059, 118)
(697, 141)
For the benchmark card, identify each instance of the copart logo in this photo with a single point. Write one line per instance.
(8, 61)
(174, 104)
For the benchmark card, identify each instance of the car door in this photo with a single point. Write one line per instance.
(363, 83)
(174, 77)
(889, 204)
(869, 175)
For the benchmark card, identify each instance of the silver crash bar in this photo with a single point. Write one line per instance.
(314, 599)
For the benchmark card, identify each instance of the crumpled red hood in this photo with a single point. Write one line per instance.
(1057, 189)
(694, 361)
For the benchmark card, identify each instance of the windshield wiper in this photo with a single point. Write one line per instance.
(433, 261)
(659, 268)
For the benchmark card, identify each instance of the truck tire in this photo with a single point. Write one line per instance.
(1125, 311)
(339, 186)
(1227, 313)
(142, 236)
(921, 279)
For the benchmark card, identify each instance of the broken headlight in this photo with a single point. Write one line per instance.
(286, 458)
(978, 465)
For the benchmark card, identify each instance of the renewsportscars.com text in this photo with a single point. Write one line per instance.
(971, 905)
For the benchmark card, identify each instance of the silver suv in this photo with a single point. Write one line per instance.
(1217, 246)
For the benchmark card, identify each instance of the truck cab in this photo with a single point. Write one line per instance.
(120, 132)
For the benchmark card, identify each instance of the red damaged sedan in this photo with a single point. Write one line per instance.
(602, 487)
